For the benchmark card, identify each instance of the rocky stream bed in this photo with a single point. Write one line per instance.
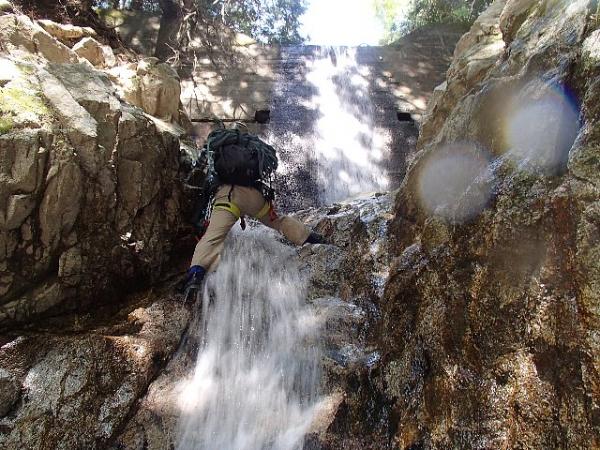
(466, 319)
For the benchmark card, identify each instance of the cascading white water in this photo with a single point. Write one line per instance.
(338, 135)
(350, 149)
(255, 383)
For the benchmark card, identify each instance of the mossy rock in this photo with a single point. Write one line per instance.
(111, 17)
(22, 105)
(26, 68)
(6, 6)
(22, 99)
(6, 124)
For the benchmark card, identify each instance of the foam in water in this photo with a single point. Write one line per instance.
(256, 378)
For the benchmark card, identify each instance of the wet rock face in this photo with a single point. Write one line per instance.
(345, 283)
(73, 384)
(10, 391)
(346, 287)
(89, 189)
(490, 318)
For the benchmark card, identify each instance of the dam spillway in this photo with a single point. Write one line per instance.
(343, 119)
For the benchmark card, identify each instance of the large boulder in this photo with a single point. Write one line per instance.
(66, 33)
(97, 54)
(490, 318)
(19, 32)
(79, 380)
(89, 193)
(153, 86)
(89, 210)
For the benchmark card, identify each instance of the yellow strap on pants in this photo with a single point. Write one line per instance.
(230, 207)
(235, 210)
(264, 211)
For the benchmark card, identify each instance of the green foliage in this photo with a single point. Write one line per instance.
(112, 17)
(390, 13)
(279, 22)
(267, 21)
(400, 17)
(137, 5)
(427, 12)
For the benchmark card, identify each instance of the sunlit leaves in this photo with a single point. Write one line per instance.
(267, 21)
(400, 17)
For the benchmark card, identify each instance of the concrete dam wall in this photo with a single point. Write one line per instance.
(342, 116)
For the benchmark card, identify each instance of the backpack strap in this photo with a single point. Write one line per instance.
(232, 208)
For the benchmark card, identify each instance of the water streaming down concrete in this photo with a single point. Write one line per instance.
(334, 123)
(255, 383)
(325, 125)
(334, 113)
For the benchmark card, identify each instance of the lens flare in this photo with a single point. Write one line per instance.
(452, 182)
(540, 131)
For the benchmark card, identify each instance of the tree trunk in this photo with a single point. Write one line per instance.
(170, 22)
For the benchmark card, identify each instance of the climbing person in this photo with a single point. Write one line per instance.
(239, 167)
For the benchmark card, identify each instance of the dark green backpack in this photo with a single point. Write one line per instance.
(233, 157)
(240, 158)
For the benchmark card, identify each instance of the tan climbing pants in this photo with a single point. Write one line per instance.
(250, 202)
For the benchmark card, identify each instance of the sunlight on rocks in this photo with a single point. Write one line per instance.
(8, 70)
(540, 132)
(451, 182)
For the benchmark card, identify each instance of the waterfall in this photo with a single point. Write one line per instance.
(333, 139)
(255, 382)
(348, 146)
